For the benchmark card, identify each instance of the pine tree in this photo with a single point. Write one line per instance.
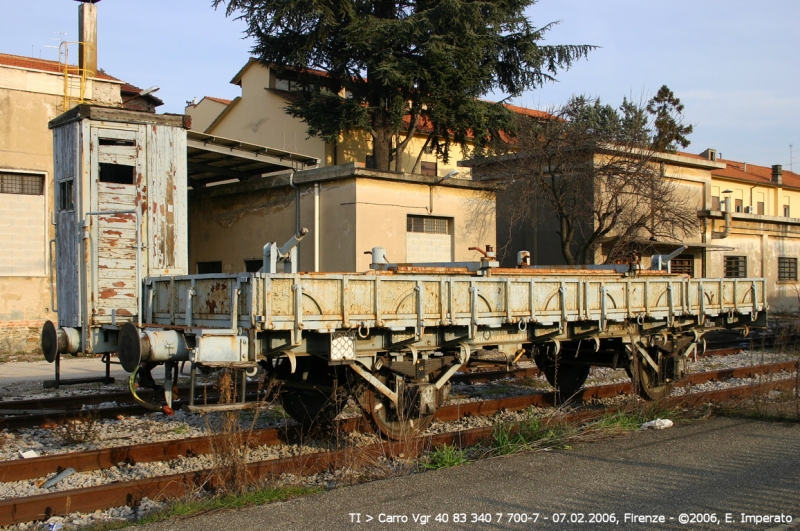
(390, 68)
(667, 111)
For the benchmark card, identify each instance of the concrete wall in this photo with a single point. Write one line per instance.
(384, 206)
(28, 101)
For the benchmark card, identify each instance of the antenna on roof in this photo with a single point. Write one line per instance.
(791, 157)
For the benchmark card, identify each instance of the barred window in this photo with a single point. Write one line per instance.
(735, 266)
(683, 265)
(787, 268)
(21, 183)
(428, 224)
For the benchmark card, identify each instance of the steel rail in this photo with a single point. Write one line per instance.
(22, 469)
(43, 506)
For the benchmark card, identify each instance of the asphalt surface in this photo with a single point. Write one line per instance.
(707, 470)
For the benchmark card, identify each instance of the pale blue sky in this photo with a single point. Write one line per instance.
(733, 63)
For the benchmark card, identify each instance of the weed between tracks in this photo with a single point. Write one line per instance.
(769, 403)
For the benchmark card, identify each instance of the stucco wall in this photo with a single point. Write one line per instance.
(204, 113)
(259, 118)
(355, 215)
(28, 101)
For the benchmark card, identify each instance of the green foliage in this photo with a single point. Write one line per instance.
(188, 506)
(530, 434)
(395, 68)
(445, 457)
(667, 111)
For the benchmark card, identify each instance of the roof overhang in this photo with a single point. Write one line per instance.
(211, 159)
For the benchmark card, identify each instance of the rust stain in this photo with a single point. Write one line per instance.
(119, 284)
(107, 293)
(112, 232)
(123, 311)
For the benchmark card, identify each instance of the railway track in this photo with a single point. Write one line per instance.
(130, 493)
(16, 414)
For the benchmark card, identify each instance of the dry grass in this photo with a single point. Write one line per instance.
(233, 439)
(82, 428)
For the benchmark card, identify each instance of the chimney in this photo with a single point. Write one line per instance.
(777, 174)
(87, 35)
(710, 154)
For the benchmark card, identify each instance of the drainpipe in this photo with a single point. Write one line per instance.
(316, 227)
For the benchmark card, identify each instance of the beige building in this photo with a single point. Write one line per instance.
(33, 92)
(745, 219)
(348, 210)
(258, 116)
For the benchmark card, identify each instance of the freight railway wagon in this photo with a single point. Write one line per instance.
(391, 338)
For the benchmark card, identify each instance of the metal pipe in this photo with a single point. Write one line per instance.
(296, 209)
(316, 227)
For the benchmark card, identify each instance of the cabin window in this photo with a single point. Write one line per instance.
(787, 268)
(116, 173)
(21, 184)
(735, 266)
(207, 268)
(66, 195)
(116, 142)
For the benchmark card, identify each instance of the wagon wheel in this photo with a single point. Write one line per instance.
(567, 378)
(382, 414)
(314, 394)
(645, 380)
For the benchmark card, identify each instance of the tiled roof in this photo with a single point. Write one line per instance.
(218, 100)
(755, 174)
(44, 65)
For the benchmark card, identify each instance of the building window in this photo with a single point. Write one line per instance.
(429, 225)
(682, 265)
(206, 268)
(369, 162)
(787, 268)
(786, 211)
(739, 205)
(252, 266)
(430, 168)
(714, 202)
(735, 266)
(21, 184)
(760, 208)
